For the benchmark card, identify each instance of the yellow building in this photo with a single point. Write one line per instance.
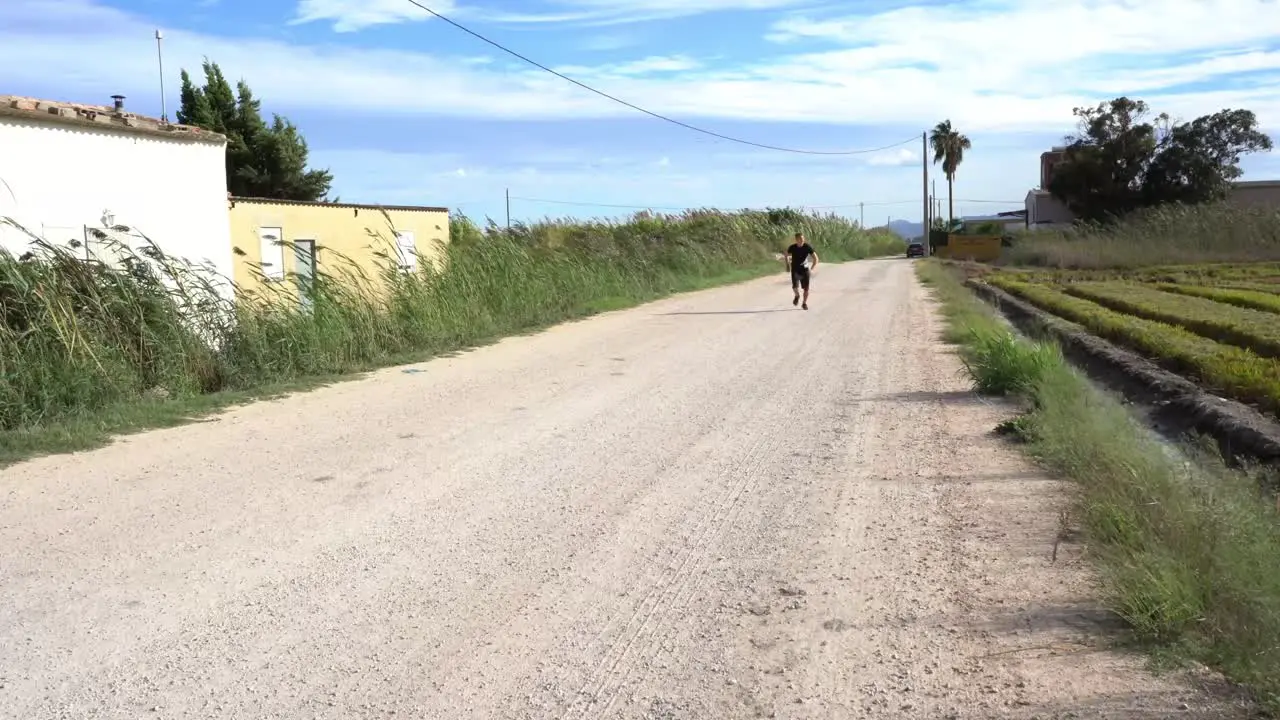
(282, 241)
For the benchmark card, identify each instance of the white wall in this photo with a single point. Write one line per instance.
(1046, 211)
(58, 178)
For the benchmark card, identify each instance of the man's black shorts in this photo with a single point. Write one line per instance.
(800, 277)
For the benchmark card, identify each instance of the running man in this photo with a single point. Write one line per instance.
(801, 258)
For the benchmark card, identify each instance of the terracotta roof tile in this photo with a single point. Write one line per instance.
(100, 116)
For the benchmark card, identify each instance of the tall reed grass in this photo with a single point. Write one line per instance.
(83, 335)
(1167, 235)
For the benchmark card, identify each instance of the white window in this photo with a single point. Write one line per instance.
(407, 250)
(271, 242)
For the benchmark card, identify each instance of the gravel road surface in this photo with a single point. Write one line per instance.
(715, 506)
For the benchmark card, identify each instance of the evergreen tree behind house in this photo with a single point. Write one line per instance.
(265, 161)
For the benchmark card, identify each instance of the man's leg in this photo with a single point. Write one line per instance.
(804, 283)
(795, 287)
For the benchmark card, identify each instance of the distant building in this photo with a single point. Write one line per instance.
(1043, 210)
(1256, 193)
(279, 240)
(69, 168)
(1049, 162)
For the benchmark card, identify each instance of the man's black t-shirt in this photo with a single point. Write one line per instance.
(799, 253)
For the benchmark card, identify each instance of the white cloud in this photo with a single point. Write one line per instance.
(652, 65)
(621, 12)
(350, 16)
(1038, 48)
(893, 158)
(1216, 66)
(607, 43)
(1019, 65)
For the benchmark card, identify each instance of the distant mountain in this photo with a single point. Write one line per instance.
(907, 229)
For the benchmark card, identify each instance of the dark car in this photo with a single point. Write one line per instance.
(915, 249)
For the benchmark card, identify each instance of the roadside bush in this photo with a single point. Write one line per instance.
(1001, 364)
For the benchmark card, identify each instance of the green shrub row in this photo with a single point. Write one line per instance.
(1253, 329)
(1240, 297)
(1226, 369)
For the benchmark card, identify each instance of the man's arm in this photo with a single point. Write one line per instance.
(786, 258)
(815, 260)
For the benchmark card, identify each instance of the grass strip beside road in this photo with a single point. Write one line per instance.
(1183, 548)
(1226, 369)
(1251, 299)
(1252, 329)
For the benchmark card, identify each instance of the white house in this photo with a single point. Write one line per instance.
(67, 167)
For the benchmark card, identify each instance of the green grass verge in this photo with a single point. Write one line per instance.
(1245, 298)
(1229, 370)
(1185, 549)
(88, 351)
(1253, 329)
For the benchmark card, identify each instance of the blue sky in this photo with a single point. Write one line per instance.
(405, 109)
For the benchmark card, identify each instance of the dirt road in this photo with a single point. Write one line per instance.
(716, 506)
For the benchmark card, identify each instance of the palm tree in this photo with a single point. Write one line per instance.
(948, 149)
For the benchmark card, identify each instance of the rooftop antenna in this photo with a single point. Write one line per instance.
(164, 110)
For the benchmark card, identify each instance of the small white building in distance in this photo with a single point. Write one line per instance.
(67, 168)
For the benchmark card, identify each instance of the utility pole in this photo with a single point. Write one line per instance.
(924, 195)
(508, 209)
(862, 218)
(164, 111)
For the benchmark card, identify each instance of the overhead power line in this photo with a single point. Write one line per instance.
(651, 113)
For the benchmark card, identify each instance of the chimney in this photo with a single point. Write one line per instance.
(119, 102)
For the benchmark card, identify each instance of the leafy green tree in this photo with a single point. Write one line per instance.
(268, 161)
(1122, 159)
(948, 149)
